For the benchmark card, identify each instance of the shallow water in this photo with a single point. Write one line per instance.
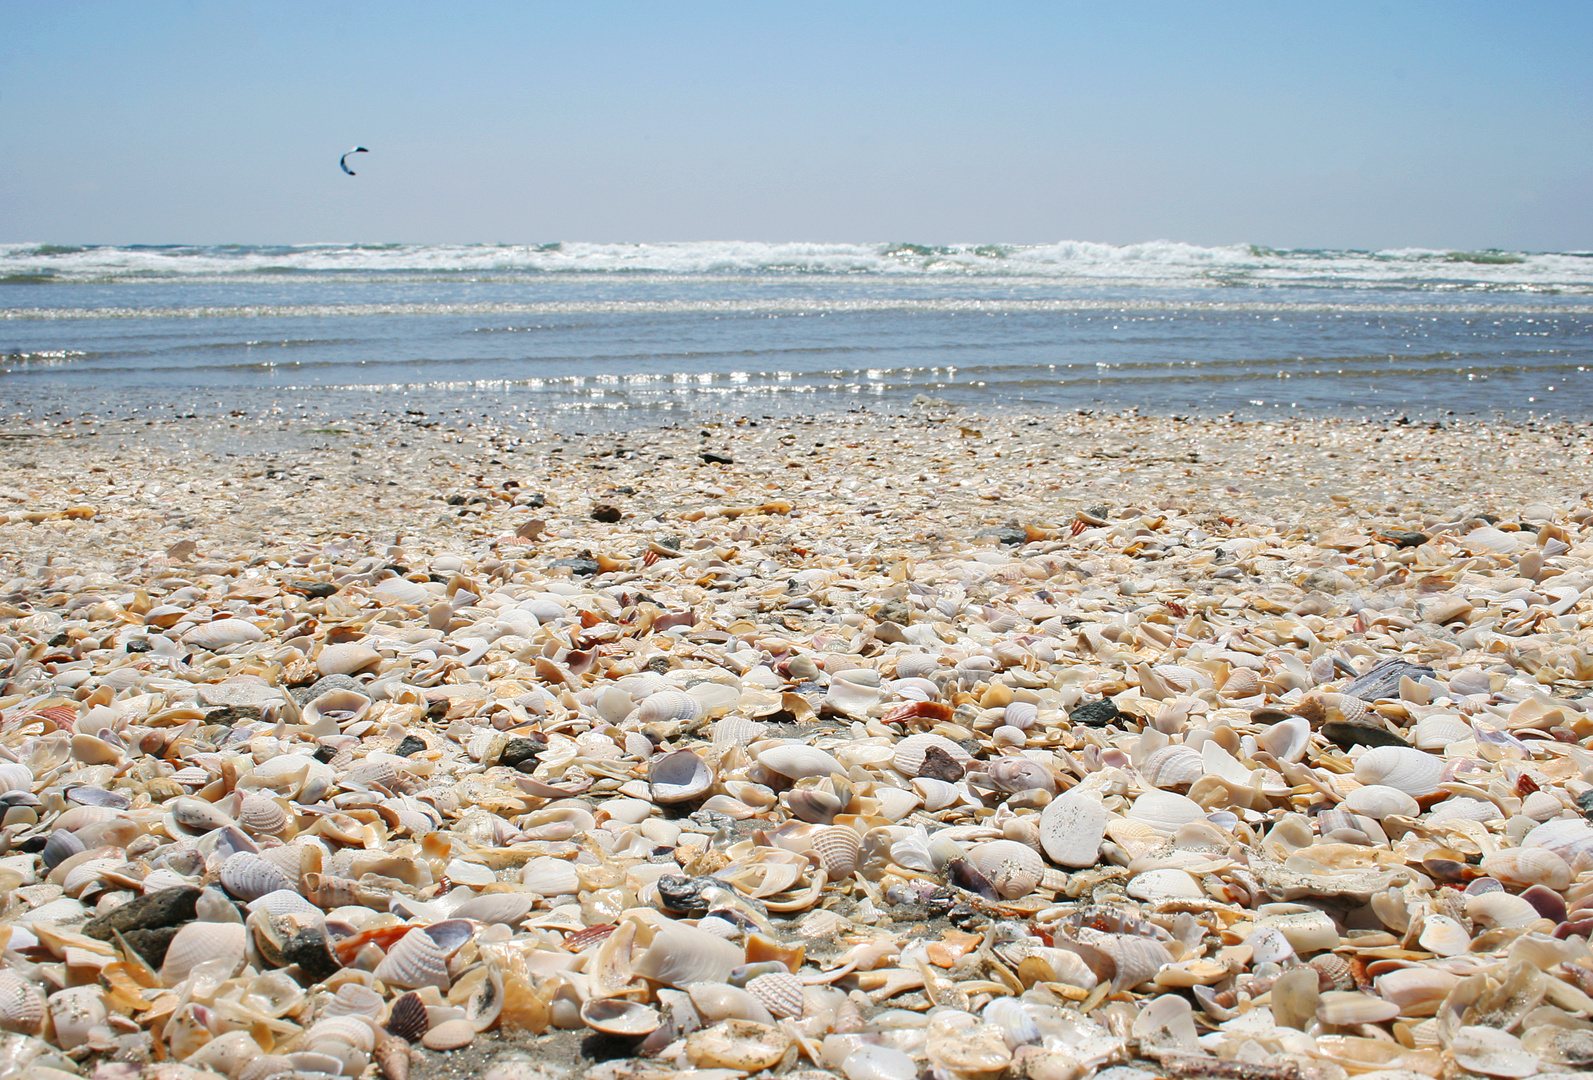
(638, 333)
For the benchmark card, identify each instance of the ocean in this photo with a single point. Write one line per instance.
(578, 334)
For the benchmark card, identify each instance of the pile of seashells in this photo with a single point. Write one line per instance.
(1135, 789)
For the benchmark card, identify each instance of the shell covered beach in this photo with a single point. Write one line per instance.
(872, 747)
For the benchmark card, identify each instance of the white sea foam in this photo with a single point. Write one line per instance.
(1163, 263)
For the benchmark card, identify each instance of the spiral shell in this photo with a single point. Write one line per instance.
(780, 992)
(911, 751)
(1412, 771)
(838, 848)
(1013, 869)
(413, 961)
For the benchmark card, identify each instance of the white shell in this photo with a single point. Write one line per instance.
(414, 960)
(1172, 767)
(15, 776)
(1412, 771)
(201, 942)
(262, 815)
(1566, 837)
(1501, 909)
(222, 633)
(341, 707)
(347, 658)
(1379, 801)
(549, 876)
(679, 777)
(21, 1005)
(797, 760)
(249, 877)
(1287, 740)
(1492, 1052)
(780, 992)
(910, 753)
(1438, 731)
(1165, 884)
(403, 590)
(1165, 811)
(1443, 936)
(738, 730)
(1013, 869)
(1354, 1007)
(838, 848)
(668, 705)
(1072, 827)
(74, 1012)
(683, 954)
(612, 1016)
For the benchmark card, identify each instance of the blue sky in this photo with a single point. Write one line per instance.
(1287, 124)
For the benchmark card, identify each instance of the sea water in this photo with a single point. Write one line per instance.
(641, 333)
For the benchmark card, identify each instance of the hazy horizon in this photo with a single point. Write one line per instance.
(1356, 128)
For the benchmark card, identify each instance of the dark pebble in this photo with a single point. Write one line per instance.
(164, 907)
(308, 949)
(605, 513)
(709, 456)
(317, 589)
(1095, 713)
(136, 645)
(535, 499)
(939, 765)
(1403, 537)
(151, 944)
(578, 567)
(684, 895)
(1348, 733)
(519, 750)
(1382, 680)
(1005, 534)
(410, 746)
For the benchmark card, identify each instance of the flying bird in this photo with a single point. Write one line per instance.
(342, 162)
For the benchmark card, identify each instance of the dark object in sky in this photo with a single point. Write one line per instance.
(342, 162)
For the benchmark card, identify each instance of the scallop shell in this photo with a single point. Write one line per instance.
(679, 777)
(1412, 771)
(413, 961)
(15, 776)
(838, 848)
(200, 942)
(1022, 715)
(355, 999)
(916, 666)
(496, 907)
(780, 992)
(625, 1019)
(262, 816)
(1165, 811)
(668, 705)
(1501, 909)
(1440, 730)
(737, 730)
(1013, 869)
(21, 1005)
(910, 753)
(1072, 828)
(1491, 1052)
(214, 636)
(1353, 1007)
(1172, 767)
(797, 760)
(549, 876)
(249, 877)
(346, 658)
(408, 1018)
(403, 590)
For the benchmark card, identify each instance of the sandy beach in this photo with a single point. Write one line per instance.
(1116, 743)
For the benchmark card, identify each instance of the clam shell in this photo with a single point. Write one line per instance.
(496, 907)
(200, 942)
(1378, 801)
(403, 590)
(196, 815)
(1438, 731)
(1491, 1052)
(1354, 1007)
(679, 777)
(797, 760)
(549, 876)
(838, 848)
(262, 816)
(737, 730)
(340, 707)
(1022, 715)
(215, 636)
(1501, 909)
(1013, 869)
(74, 1012)
(1443, 936)
(355, 999)
(1072, 828)
(910, 753)
(681, 954)
(1287, 740)
(1241, 682)
(916, 666)
(1418, 991)
(413, 961)
(347, 658)
(61, 846)
(15, 776)
(1165, 884)
(1566, 837)
(1020, 774)
(668, 705)
(21, 1005)
(780, 992)
(1404, 768)
(1165, 811)
(625, 1019)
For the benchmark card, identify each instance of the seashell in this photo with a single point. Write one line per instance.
(1540, 806)
(1491, 1052)
(1020, 774)
(1378, 801)
(896, 803)
(262, 816)
(1501, 909)
(407, 1019)
(913, 751)
(1241, 683)
(838, 848)
(916, 666)
(1013, 869)
(496, 907)
(75, 1012)
(681, 954)
(1165, 884)
(1521, 868)
(1172, 767)
(781, 993)
(337, 707)
(1353, 1007)
(936, 794)
(480, 993)
(796, 760)
(1124, 960)
(1404, 768)
(1440, 730)
(347, 658)
(1182, 680)
(1465, 809)
(413, 961)
(1165, 811)
(204, 942)
(392, 1057)
(549, 876)
(1418, 991)
(1022, 715)
(1566, 837)
(196, 815)
(15, 776)
(61, 846)
(21, 1005)
(346, 1040)
(218, 635)
(848, 697)
(283, 902)
(1072, 828)
(356, 999)
(249, 877)
(679, 777)
(737, 731)
(721, 1001)
(615, 1016)
(1287, 740)
(403, 590)
(667, 706)
(1443, 936)
(813, 805)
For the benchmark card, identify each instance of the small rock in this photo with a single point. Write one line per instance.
(939, 765)
(1095, 713)
(1403, 537)
(409, 747)
(580, 567)
(606, 513)
(1005, 534)
(709, 457)
(519, 750)
(1348, 733)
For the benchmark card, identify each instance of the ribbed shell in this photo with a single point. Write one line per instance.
(262, 816)
(499, 907)
(1172, 767)
(838, 848)
(61, 846)
(198, 942)
(403, 590)
(1182, 679)
(1241, 682)
(795, 760)
(1020, 774)
(780, 992)
(910, 752)
(355, 999)
(1013, 869)
(21, 1005)
(15, 776)
(414, 961)
(1412, 771)
(668, 705)
(370, 773)
(408, 1019)
(249, 877)
(738, 730)
(222, 633)
(916, 666)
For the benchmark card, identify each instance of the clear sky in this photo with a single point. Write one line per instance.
(1285, 123)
